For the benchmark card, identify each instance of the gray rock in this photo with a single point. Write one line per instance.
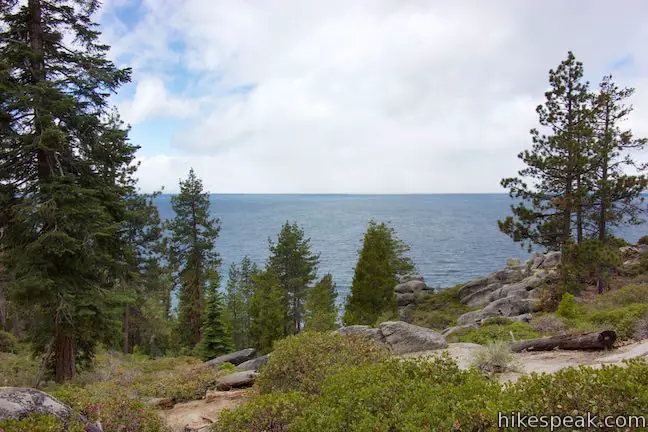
(551, 260)
(161, 403)
(236, 380)
(471, 318)
(522, 318)
(404, 338)
(481, 297)
(472, 287)
(409, 287)
(362, 330)
(405, 299)
(406, 313)
(510, 306)
(236, 358)
(17, 403)
(254, 364)
(410, 277)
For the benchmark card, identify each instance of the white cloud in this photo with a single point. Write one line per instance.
(364, 96)
(151, 99)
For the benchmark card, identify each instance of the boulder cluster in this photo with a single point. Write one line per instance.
(407, 292)
(400, 337)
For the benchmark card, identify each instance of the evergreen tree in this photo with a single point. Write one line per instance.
(191, 254)
(616, 196)
(267, 311)
(556, 164)
(321, 310)
(214, 338)
(382, 259)
(65, 168)
(239, 291)
(292, 261)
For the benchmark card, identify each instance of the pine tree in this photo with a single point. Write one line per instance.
(267, 311)
(238, 294)
(557, 165)
(616, 196)
(296, 267)
(321, 310)
(382, 259)
(215, 340)
(191, 254)
(65, 168)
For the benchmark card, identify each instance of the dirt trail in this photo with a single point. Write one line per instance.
(548, 361)
(198, 415)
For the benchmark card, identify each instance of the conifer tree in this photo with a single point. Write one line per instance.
(321, 310)
(65, 168)
(238, 294)
(381, 260)
(616, 195)
(267, 311)
(292, 261)
(215, 340)
(191, 254)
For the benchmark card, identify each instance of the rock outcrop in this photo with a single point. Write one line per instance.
(235, 358)
(17, 403)
(407, 290)
(512, 292)
(399, 336)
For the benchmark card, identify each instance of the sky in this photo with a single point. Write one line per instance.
(363, 96)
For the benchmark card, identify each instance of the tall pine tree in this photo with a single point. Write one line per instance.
(192, 257)
(237, 301)
(292, 261)
(321, 310)
(267, 311)
(215, 340)
(65, 169)
(382, 259)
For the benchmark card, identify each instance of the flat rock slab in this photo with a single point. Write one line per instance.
(235, 358)
(236, 380)
(404, 338)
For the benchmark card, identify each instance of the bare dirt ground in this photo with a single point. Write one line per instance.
(198, 415)
(548, 361)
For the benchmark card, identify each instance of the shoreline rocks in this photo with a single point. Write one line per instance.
(400, 337)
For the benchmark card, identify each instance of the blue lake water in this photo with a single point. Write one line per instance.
(453, 237)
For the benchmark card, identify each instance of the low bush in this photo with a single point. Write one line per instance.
(496, 357)
(435, 394)
(266, 413)
(568, 307)
(622, 320)
(18, 370)
(301, 362)
(641, 328)
(625, 296)
(497, 320)
(643, 240)
(112, 405)
(8, 342)
(438, 310)
(40, 423)
(492, 333)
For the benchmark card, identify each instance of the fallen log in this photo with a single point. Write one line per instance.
(588, 341)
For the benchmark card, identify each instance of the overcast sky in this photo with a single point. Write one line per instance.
(362, 96)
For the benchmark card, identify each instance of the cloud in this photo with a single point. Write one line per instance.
(151, 100)
(382, 96)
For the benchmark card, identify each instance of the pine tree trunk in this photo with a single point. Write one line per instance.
(65, 356)
(126, 347)
(579, 212)
(602, 225)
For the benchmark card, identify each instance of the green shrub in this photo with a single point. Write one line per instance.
(40, 423)
(8, 342)
(112, 405)
(301, 362)
(568, 307)
(622, 320)
(496, 357)
(397, 395)
(266, 413)
(641, 328)
(497, 320)
(492, 333)
(628, 295)
(438, 310)
(18, 370)
(643, 240)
